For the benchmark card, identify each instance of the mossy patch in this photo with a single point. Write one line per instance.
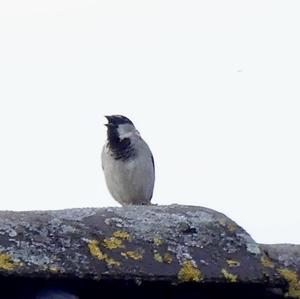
(189, 272)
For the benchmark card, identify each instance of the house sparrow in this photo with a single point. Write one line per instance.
(127, 163)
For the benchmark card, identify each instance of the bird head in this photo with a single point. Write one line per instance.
(121, 126)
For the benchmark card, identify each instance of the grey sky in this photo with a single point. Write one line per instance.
(212, 86)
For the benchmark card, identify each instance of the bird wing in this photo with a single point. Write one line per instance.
(102, 156)
(152, 159)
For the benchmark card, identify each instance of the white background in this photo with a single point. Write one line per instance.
(213, 87)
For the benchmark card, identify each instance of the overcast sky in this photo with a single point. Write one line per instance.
(212, 86)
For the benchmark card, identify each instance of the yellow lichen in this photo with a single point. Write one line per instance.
(167, 258)
(231, 227)
(6, 262)
(189, 272)
(229, 276)
(266, 262)
(222, 221)
(121, 235)
(158, 257)
(111, 262)
(94, 249)
(294, 284)
(157, 241)
(96, 252)
(113, 243)
(54, 269)
(132, 254)
(233, 263)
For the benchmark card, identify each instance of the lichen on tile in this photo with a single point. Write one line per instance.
(135, 255)
(158, 257)
(96, 252)
(233, 263)
(122, 235)
(167, 258)
(6, 262)
(189, 272)
(113, 243)
(157, 241)
(267, 262)
(229, 276)
(293, 280)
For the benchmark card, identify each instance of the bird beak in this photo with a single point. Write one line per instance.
(109, 118)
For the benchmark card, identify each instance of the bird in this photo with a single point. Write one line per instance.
(127, 163)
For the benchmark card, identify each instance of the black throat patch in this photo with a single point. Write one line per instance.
(121, 149)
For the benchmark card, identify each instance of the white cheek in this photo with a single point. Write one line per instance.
(125, 135)
(126, 131)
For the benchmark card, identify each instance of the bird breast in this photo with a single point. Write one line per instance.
(130, 181)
